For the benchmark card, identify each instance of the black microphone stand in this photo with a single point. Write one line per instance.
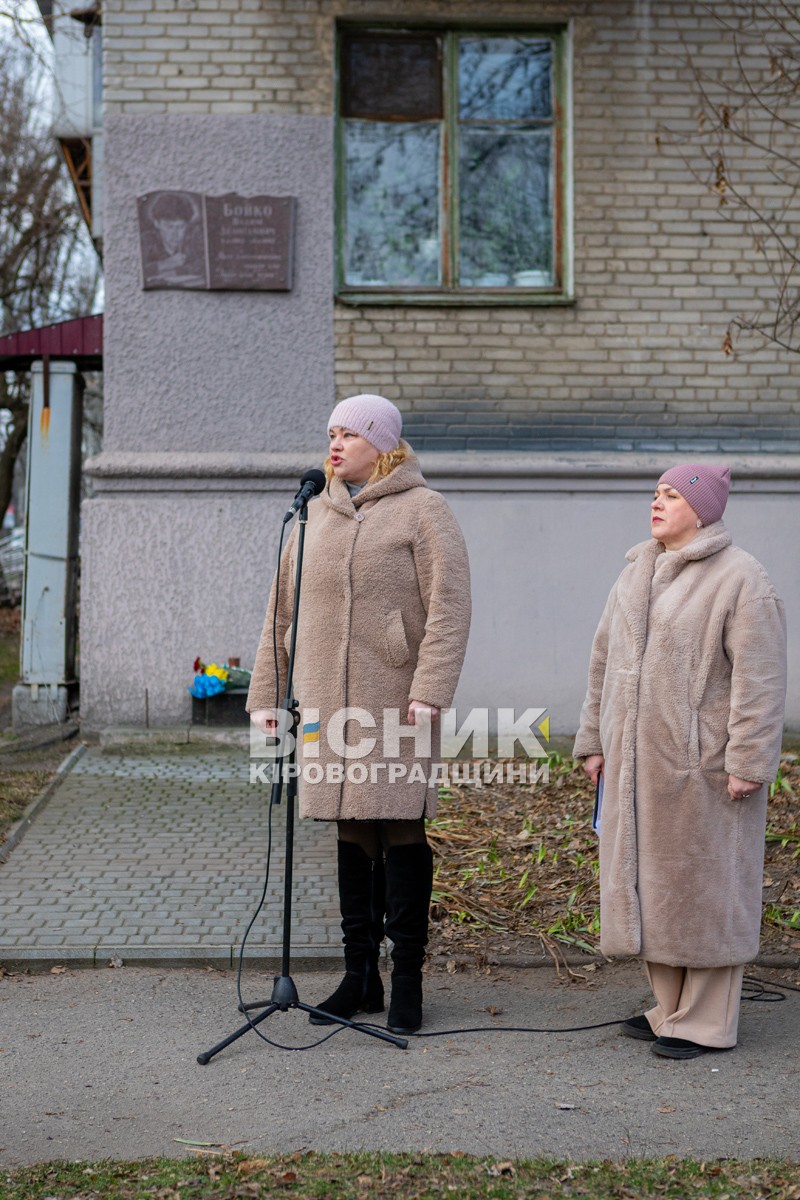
(284, 992)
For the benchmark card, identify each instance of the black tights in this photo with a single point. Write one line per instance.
(375, 837)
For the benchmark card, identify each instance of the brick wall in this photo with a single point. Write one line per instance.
(236, 56)
(637, 361)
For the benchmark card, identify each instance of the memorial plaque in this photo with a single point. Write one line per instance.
(250, 242)
(220, 243)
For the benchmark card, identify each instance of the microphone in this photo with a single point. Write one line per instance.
(311, 484)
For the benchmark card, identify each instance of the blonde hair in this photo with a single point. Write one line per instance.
(384, 465)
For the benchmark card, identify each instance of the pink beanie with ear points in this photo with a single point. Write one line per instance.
(704, 487)
(374, 418)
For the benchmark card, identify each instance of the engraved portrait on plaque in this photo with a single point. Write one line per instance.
(218, 243)
(172, 240)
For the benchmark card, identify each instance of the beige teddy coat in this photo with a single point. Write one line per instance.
(384, 619)
(687, 685)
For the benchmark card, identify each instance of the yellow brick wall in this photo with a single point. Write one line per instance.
(637, 361)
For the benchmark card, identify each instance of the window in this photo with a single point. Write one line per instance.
(451, 166)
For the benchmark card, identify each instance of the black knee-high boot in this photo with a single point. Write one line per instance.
(409, 880)
(362, 888)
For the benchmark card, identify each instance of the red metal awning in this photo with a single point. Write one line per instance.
(79, 341)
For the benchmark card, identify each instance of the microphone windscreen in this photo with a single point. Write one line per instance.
(317, 478)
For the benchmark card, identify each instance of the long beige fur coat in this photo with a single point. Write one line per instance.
(384, 619)
(687, 685)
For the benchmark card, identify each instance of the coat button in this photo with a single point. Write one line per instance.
(359, 516)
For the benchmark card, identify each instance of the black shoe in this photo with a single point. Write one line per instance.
(405, 1009)
(669, 1047)
(358, 992)
(638, 1027)
(362, 889)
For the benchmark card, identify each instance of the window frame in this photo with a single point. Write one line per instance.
(558, 293)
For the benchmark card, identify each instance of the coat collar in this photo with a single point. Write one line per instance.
(408, 475)
(709, 540)
(634, 598)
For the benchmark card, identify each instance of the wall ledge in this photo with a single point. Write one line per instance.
(116, 470)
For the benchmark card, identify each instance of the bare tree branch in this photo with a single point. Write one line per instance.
(48, 268)
(746, 136)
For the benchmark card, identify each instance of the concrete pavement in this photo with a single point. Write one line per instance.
(97, 1064)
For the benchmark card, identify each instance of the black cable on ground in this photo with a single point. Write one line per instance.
(514, 1029)
(764, 994)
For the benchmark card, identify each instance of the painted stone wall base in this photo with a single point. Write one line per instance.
(180, 550)
(34, 704)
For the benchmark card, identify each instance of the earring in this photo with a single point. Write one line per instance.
(699, 524)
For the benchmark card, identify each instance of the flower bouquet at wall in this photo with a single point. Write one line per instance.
(211, 679)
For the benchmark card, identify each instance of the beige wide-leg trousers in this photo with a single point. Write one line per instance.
(699, 1004)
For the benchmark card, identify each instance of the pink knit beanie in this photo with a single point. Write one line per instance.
(704, 487)
(375, 418)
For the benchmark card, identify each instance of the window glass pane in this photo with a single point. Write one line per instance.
(504, 79)
(392, 188)
(505, 208)
(393, 78)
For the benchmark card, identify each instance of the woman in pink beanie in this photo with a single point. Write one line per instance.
(681, 727)
(384, 618)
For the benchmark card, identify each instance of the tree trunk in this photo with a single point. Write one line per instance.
(15, 437)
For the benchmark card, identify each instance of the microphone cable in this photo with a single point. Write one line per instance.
(262, 899)
(512, 1029)
(762, 993)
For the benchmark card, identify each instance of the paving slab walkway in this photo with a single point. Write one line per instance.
(157, 857)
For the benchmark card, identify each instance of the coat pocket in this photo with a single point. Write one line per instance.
(396, 645)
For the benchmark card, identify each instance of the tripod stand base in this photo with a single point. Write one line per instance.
(284, 997)
(284, 993)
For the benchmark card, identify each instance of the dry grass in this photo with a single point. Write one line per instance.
(219, 1174)
(516, 867)
(9, 645)
(781, 928)
(18, 789)
(10, 619)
